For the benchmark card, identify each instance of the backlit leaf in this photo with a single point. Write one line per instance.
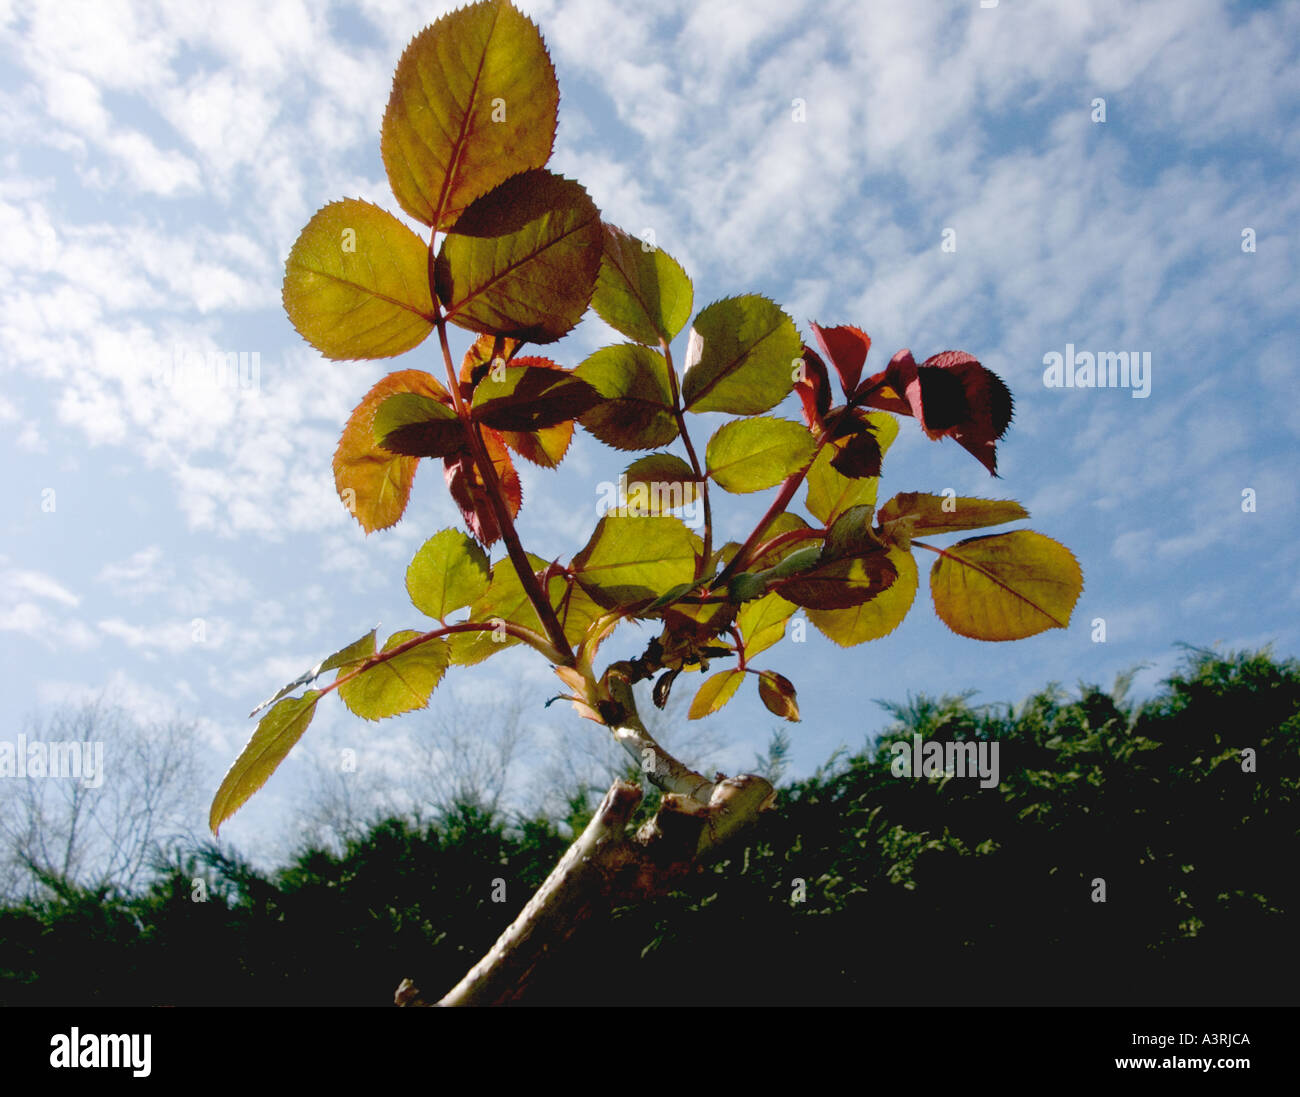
(630, 560)
(400, 684)
(274, 737)
(716, 691)
(641, 291)
(531, 397)
(356, 283)
(374, 483)
(741, 358)
(470, 491)
(846, 349)
(840, 583)
(448, 573)
(416, 425)
(636, 411)
(522, 260)
(875, 618)
(762, 622)
(752, 454)
(474, 101)
(659, 482)
(356, 652)
(829, 492)
(1005, 586)
(777, 693)
(916, 514)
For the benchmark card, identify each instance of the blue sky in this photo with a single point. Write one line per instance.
(160, 159)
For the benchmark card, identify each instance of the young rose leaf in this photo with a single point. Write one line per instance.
(752, 454)
(1005, 586)
(659, 482)
(522, 260)
(859, 456)
(373, 482)
(356, 652)
(830, 492)
(530, 397)
(636, 409)
(740, 357)
(777, 693)
(846, 349)
(762, 622)
(416, 425)
(916, 514)
(487, 350)
(448, 573)
(839, 584)
(641, 291)
(813, 387)
(470, 492)
(783, 523)
(474, 101)
(874, 618)
(716, 691)
(950, 394)
(356, 283)
(545, 447)
(851, 534)
(631, 560)
(400, 684)
(274, 737)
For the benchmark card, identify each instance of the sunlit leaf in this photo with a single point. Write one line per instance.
(356, 283)
(416, 425)
(531, 397)
(742, 357)
(448, 573)
(1005, 586)
(374, 483)
(522, 260)
(274, 737)
(875, 618)
(470, 492)
(636, 411)
(641, 291)
(716, 691)
(829, 492)
(846, 349)
(777, 693)
(762, 622)
(659, 482)
(356, 652)
(840, 583)
(915, 514)
(545, 447)
(474, 101)
(400, 684)
(630, 559)
(752, 454)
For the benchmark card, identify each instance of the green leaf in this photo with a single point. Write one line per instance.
(840, 583)
(851, 534)
(777, 693)
(741, 358)
(448, 573)
(752, 454)
(631, 560)
(830, 494)
(715, 692)
(875, 618)
(522, 260)
(356, 652)
(530, 398)
(356, 283)
(915, 514)
(762, 622)
(659, 482)
(400, 684)
(1005, 586)
(474, 101)
(641, 291)
(415, 425)
(274, 737)
(636, 411)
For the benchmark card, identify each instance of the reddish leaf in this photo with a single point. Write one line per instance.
(470, 493)
(951, 395)
(474, 366)
(814, 389)
(777, 692)
(839, 584)
(846, 347)
(533, 394)
(860, 456)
